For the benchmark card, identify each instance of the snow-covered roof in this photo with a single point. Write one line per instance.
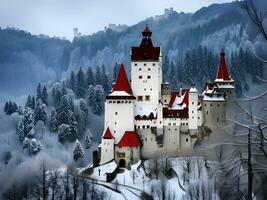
(213, 98)
(121, 89)
(145, 110)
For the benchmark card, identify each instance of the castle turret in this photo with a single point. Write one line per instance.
(226, 84)
(146, 71)
(192, 110)
(119, 107)
(107, 147)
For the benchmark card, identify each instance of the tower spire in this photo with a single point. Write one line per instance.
(222, 72)
(146, 32)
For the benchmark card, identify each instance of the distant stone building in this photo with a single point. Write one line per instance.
(147, 119)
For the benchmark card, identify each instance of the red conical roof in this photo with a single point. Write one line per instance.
(129, 139)
(222, 72)
(146, 32)
(107, 134)
(122, 83)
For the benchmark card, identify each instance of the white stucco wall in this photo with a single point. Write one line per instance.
(107, 150)
(119, 117)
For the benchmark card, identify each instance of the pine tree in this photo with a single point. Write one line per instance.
(63, 131)
(6, 107)
(53, 125)
(40, 112)
(173, 75)
(32, 145)
(28, 120)
(91, 95)
(44, 96)
(20, 130)
(73, 131)
(99, 100)
(64, 88)
(98, 76)
(80, 86)
(39, 92)
(30, 102)
(72, 82)
(62, 110)
(90, 77)
(20, 110)
(105, 80)
(165, 68)
(78, 151)
(88, 139)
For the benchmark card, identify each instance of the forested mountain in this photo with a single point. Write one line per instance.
(27, 59)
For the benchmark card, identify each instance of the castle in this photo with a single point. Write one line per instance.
(146, 119)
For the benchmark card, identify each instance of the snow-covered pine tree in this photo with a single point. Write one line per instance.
(90, 77)
(98, 76)
(31, 133)
(81, 86)
(88, 139)
(28, 120)
(105, 80)
(44, 96)
(63, 131)
(40, 112)
(32, 145)
(39, 92)
(78, 151)
(64, 88)
(53, 125)
(56, 95)
(29, 102)
(72, 81)
(20, 129)
(73, 126)
(91, 95)
(62, 110)
(99, 100)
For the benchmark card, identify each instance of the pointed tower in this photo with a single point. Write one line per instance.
(107, 147)
(226, 84)
(146, 71)
(119, 107)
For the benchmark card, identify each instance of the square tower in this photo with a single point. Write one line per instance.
(146, 72)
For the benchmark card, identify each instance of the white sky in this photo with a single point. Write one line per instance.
(59, 17)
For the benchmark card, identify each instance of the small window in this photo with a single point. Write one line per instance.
(147, 126)
(148, 77)
(140, 98)
(165, 100)
(169, 129)
(148, 69)
(207, 112)
(116, 113)
(115, 123)
(192, 111)
(118, 101)
(150, 89)
(198, 118)
(143, 126)
(170, 124)
(135, 64)
(192, 102)
(218, 105)
(144, 64)
(147, 98)
(140, 77)
(154, 64)
(193, 117)
(217, 119)
(140, 69)
(186, 139)
(211, 105)
(145, 89)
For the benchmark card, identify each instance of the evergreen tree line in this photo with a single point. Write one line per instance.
(199, 65)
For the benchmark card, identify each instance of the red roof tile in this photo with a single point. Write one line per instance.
(222, 72)
(129, 139)
(107, 134)
(122, 83)
(177, 93)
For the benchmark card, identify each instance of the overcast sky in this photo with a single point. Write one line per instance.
(59, 17)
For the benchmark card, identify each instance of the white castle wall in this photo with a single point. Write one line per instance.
(171, 141)
(119, 117)
(192, 110)
(214, 113)
(146, 79)
(107, 150)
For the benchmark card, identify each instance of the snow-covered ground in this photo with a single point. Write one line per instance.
(187, 176)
